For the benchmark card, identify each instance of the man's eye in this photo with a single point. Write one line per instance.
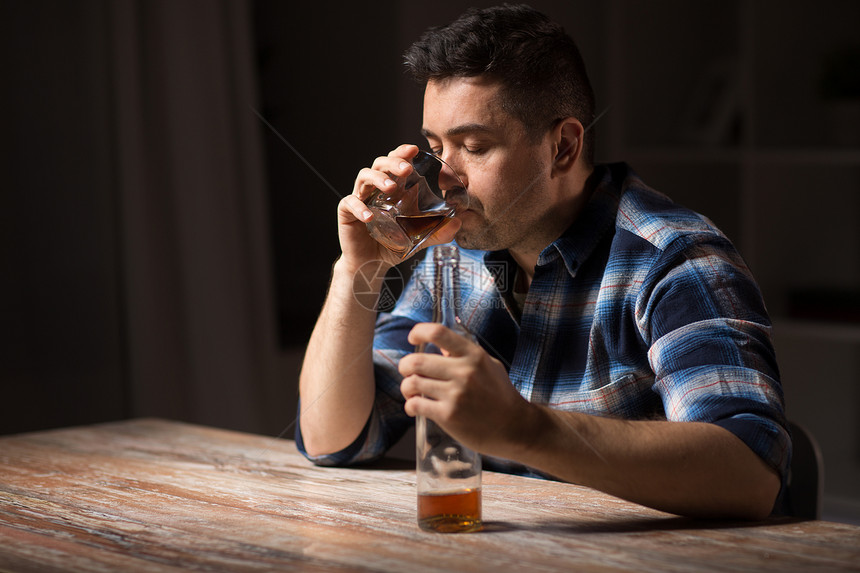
(474, 150)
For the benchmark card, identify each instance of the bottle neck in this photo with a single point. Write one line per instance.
(446, 291)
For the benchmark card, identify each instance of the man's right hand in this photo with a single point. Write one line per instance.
(336, 383)
(357, 246)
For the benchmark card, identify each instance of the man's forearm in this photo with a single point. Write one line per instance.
(687, 468)
(336, 383)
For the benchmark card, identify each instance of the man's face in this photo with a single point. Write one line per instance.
(506, 173)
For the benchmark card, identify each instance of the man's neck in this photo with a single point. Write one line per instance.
(527, 263)
(527, 258)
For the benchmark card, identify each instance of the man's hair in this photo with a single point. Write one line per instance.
(538, 65)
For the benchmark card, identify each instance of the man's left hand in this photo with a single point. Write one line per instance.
(464, 390)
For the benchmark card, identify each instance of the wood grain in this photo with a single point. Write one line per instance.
(153, 495)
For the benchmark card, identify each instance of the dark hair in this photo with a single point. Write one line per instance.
(539, 66)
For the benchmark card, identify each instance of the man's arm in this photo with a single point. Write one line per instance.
(688, 468)
(336, 384)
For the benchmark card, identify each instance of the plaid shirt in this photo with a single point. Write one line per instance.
(641, 310)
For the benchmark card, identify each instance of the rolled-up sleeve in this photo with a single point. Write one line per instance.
(711, 349)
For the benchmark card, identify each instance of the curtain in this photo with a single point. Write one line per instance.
(190, 178)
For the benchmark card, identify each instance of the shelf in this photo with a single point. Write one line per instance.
(812, 156)
(672, 154)
(821, 330)
(830, 156)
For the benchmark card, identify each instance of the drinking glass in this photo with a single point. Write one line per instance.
(423, 201)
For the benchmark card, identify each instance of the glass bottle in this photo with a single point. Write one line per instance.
(448, 473)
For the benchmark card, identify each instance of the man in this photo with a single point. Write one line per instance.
(626, 348)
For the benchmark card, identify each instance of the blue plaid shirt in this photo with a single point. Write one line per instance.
(641, 310)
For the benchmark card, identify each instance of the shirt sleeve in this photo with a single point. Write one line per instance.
(711, 348)
(388, 421)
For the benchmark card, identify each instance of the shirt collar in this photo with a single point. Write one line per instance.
(597, 218)
(578, 242)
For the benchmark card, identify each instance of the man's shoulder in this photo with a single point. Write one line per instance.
(655, 218)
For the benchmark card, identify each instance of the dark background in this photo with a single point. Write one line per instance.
(170, 170)
(307, 58)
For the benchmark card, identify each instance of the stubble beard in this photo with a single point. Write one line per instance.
(490, 236)
(512, 225)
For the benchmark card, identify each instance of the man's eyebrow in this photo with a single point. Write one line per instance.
(459, 130)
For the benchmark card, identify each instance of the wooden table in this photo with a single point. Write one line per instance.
(152, 495)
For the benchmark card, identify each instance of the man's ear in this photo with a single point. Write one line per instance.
(567, 136)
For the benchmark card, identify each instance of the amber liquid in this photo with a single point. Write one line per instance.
(456, 512)
(417, 227)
